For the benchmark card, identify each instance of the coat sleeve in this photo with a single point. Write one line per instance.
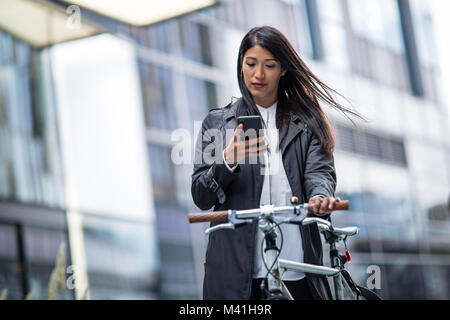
(211, 178)
(320, 175)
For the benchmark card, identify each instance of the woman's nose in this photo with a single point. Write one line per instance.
(259, 73)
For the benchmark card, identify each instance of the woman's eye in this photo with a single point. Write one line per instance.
(250, 64)
(270, 66)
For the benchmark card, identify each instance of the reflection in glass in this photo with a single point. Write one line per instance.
(195, 41)
(177, 262)
(334, 34)
(376, 46)
(158, 96)
(10, 264)
(174, 240)
(163, 173)
(42, 248)
(29, 152)
(121, 257)
(377, 21)
(427, 49)
(407, 281)
(201, 97)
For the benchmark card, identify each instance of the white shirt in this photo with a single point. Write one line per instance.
(277, 191)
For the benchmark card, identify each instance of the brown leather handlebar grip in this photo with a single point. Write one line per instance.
(215, 216)
(341, 205)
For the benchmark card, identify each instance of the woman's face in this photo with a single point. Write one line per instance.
(262, 73)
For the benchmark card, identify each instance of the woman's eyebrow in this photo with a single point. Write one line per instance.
(270, 59)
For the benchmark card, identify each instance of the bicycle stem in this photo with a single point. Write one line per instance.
(271, 256)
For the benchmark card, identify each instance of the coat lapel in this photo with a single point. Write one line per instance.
(230, 118)
(294, 128)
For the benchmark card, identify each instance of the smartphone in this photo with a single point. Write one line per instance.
(251, 122)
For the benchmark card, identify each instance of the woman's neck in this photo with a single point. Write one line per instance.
(266, 103)
(271, 107)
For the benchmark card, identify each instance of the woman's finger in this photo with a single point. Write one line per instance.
(332, 204)
(237, 133)
(324, 205)
(316, 205)
(254, 153)
(257, 140)
(260, 148)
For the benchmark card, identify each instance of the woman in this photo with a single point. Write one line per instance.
(276, 84)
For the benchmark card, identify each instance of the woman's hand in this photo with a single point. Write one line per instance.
(238, 150)
(323, 206)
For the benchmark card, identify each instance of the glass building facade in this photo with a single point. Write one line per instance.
(32, 218)
(395, 172)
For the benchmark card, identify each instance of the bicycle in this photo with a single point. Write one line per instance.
(344, 287)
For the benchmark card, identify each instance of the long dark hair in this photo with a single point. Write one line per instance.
(299, 90)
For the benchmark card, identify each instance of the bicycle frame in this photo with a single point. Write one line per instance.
(297, 214)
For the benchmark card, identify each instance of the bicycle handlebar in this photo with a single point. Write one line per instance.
(222, 216)
(215, 216)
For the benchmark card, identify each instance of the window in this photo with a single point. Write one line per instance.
(177, 265)
(376, 46)
(426, 49)
(202, 97)
(28, 255)
(10, 264)
(158, 36)
(424, 31)
(408, 281)
(42, 247)
(194, 41)
(163, 173)
(158, 96)
(371, 145)
(122, 258)
(378, 21)
(334, 34)
(315, 32)
(29, 153)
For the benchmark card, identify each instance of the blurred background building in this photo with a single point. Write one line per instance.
(86, 139)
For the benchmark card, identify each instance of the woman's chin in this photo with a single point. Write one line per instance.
(258, 95)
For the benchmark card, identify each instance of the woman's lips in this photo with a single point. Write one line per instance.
(259, 85)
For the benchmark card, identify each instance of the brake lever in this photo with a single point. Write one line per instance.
(228, 225)
(232, 224)
(307, 221)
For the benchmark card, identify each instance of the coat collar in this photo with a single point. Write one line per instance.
(233, 107)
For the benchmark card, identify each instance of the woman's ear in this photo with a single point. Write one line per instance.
(283, 72)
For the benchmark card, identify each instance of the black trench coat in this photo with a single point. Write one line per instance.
(229, 255)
